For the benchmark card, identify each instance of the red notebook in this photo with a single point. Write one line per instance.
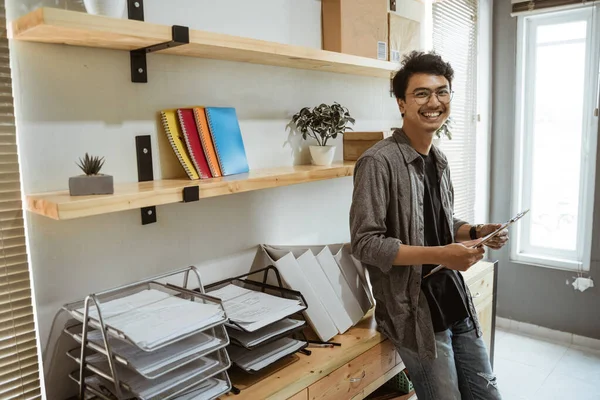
(192, 141)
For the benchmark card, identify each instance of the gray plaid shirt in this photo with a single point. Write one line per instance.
(387, 211)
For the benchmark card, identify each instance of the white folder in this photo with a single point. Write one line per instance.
(294, 278)
(318, 280)
(340, 285)
(355, 276)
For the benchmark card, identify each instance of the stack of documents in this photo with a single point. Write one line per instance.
(260, 324)
(253, 339)
(250, 310)
(154, 364)
(151, 388)
(166, 343)
(152, 318)
(257, 359)
(206, 390)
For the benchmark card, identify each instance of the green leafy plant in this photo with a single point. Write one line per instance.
(445, 129)
(322, 122)
(91, 165)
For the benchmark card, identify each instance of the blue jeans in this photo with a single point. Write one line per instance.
(461, 371)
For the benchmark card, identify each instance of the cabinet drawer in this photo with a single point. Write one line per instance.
(350, 379)
(481, 287)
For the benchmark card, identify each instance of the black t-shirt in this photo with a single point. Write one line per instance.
(444, 290)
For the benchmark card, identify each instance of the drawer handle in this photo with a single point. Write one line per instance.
(477, 295)
(353, 380)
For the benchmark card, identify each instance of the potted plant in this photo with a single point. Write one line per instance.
(109, 8)
(322, 123)
(445, 130)
(93, 182)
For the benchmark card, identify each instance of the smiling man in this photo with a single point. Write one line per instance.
(402, 226)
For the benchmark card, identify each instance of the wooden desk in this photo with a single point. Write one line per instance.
(364, 361)
(352, 370)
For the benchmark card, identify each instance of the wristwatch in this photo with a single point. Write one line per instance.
(474, 230)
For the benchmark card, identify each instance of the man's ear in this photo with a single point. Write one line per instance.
(401, 106)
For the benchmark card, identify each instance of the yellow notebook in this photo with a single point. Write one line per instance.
(171, 126)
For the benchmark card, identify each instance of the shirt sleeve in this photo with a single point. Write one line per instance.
(368, 214)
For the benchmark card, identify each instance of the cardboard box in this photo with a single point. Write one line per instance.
(404, 36)
(356, 143)
(357, 27)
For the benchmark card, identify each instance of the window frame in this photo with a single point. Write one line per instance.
(521, 251)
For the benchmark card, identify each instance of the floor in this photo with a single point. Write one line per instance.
(530, 368)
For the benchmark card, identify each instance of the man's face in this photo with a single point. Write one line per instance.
(422, 109)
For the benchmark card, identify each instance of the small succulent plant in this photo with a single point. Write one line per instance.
(91, 165)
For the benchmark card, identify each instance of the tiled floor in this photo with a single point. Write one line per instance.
(531, 368)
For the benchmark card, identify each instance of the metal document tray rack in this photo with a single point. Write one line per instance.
(107, 356)
(276, 290)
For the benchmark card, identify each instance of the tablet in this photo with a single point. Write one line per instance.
(488, 237)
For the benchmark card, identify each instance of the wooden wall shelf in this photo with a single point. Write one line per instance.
(130, 196)
(52, 25)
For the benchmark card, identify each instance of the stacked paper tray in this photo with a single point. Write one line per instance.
(168, 386)
(150, 340)
(264, 324)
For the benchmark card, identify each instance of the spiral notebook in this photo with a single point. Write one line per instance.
(175, 136)
(207, 142)
(192, 141)
(227, 138)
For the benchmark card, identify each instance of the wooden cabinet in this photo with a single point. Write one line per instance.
(364, 361)
(482, 282)
(351, 379)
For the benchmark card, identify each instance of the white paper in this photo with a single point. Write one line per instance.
(146, 388)
(340, 285)
(266, 333)
(249, 306)
(147, 363)
(207, 390)
(263, 356)
(318, 280)
(151, 324)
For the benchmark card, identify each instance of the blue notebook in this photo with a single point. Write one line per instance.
(227, 137)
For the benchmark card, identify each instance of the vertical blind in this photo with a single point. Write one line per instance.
(455, 39)
(19, 370)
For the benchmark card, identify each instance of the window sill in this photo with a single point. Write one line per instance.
(549, 262)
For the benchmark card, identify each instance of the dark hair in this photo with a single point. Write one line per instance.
(420, 62)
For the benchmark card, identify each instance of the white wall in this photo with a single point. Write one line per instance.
(70, 100)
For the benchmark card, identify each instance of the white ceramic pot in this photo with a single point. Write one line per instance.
(322, 155)
(109, 8)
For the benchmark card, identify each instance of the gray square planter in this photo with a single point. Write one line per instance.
(84, 185)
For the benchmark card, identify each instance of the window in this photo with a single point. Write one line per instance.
(557, 94)
(455, 39)
(19, 372)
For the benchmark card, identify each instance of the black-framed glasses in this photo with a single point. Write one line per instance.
(422, 96)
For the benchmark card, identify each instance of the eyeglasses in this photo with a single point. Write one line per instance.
(422, 96)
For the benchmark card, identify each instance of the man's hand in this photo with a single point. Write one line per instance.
(459, 257)
(498, 241)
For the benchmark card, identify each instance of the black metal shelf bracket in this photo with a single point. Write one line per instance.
(139, 69)
(191, 193)
(135, 9)
(143, 149)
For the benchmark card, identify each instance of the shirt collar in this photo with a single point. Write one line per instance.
(410, 154)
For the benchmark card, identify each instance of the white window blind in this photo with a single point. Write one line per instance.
(455, 39)
(19, 370)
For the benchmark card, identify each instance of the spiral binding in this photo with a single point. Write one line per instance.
(215, 141)
(212, 167)
(174, 146)
(189, 146)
